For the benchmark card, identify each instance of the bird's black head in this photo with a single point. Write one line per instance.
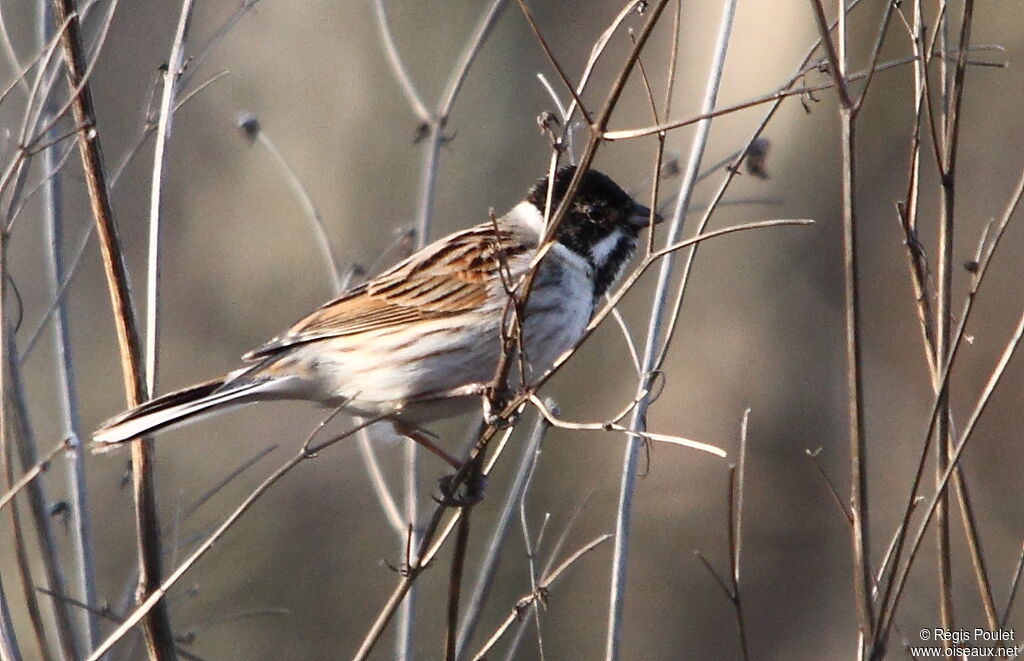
(602, 224)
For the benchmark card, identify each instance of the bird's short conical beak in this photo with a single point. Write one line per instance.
(641, 215)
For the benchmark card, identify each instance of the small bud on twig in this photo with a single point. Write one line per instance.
(757, 157)
(249, 125)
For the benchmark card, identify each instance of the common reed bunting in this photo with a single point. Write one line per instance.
(413, 342)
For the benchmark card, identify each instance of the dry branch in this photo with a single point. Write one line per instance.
(159, 636)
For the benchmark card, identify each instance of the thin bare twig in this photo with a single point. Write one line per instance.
(918, 271)
(786, 91)
(21, 557)
(812, 455)
(126, 600)
(228, 479)
(8, 47)
(650, 261)
(595, 54)
(9, 650)
(876, 52)
(51, 173)
(836, 56)
(19, 79)
(543, 589)
(455, 585)
(430, 543)
(84, 76)
(532, 546)
(465, 60)
(31, 603)
(203, 52)
(731, 173)
(35, 471)
(615, 427)
(17, 167)
(553, 554)
(734, 500)
(380, 486)
(434, 124)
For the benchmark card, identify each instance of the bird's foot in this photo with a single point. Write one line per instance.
(467, 493)
(495, 401)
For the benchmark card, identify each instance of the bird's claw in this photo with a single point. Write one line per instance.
(467, 493)
(495, 403)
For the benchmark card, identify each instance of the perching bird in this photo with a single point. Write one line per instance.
(414, 340)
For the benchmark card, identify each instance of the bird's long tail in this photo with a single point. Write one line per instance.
(178, 407)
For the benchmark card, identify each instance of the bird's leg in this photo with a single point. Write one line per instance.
(472, 486)
(469, 491)
(417, 435)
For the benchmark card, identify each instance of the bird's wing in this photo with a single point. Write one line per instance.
(449, 277)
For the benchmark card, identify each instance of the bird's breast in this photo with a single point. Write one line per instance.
(559, 307)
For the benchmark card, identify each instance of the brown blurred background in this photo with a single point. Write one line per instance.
(761, 328)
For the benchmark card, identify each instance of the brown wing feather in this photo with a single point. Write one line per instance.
(448, 277)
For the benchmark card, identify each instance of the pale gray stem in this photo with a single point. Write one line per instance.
(658, 307)
(84, 580)
(380, 485)
(532, 547)
(115, 175)
(481, 590)
(407, 611)
(163, 133)
(428, 183)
